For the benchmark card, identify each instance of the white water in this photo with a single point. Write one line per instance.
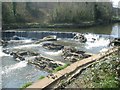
(100, 41)
(26, 46)
(90, 36)
(23, 41)
(14, 67)
(2, 53)
(54, 53)
(103, 50)
(115, 31)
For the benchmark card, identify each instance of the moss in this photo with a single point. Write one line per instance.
(41, 77)
(26, 85)
(60, 68)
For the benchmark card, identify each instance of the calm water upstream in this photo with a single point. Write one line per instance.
(15, 74)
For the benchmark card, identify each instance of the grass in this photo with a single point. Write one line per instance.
(102, 74)
(41, 77)
(109, 82)
(60, 67)
(26, 85)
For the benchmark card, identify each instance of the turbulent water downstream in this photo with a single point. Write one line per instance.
(15, 74)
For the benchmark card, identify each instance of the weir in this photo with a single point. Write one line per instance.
(36, 34)
(7, 35)
(69, 72)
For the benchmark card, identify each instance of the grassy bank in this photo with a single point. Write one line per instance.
(102, 74)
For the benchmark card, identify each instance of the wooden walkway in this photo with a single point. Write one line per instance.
(49, 82)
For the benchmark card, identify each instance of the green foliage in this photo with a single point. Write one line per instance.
(102, 74)
(14, 8)
(26, 85)
(60, 68)
(7, 13)
(41, 77)
(109, 82)
(20, 18)
(102, 12)
(55, 13)
(35, 12)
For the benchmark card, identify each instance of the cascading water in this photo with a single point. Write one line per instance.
(19, 65)
(1, 53)
(16, 67)
(116, 31)
(96, 41)
(15, 74)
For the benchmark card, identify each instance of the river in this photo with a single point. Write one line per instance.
(15, 74)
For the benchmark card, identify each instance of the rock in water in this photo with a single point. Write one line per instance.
(115, 42)
(81, 38)
(16, 37)
(3, 43)
(47, 38)
(52, 46)
(50, 38)
(44, 63)
(72, 54)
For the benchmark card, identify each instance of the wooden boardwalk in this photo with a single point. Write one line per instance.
(49, 82)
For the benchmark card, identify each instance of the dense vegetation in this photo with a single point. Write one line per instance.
(102, 74)
(38, 14)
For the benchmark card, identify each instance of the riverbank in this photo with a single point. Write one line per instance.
(64, 77)
(107, 77)
(57, 25)
(38, 25)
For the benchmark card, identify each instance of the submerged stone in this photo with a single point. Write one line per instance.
(3, 43)
(52, 46)
(50, 38)
(115, 42)
(15, 37)
(44, 63)
(73, 55)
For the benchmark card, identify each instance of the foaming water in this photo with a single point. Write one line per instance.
(90, 36)
(115, 31)
(19, 73)
(103, 50)
(2, 53)
(99, 41)
(14, 67)
(26, 46)
(54, 53)
(22, 41)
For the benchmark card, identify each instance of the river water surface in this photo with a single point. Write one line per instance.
(15, 74)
